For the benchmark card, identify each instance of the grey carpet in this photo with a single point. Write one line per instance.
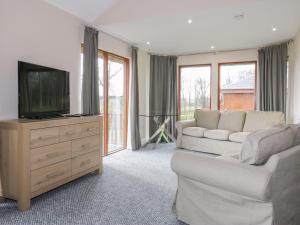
(136, 188)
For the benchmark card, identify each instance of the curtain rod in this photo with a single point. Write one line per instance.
(90, 25)
(203, 53)
(151, 53)
(278, 43)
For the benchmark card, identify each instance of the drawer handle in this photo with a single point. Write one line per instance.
(50, 176)
(85, 146)
(46, 137)
(85, 162)
(70, 133)
(91, 129)
(50, 156)
(54, 175)
(53, 155)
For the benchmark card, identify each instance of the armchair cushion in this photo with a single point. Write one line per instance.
(261, 144)
(221, 135)
(207, 119)
(227, 174)
(194, 131)
(233, 121)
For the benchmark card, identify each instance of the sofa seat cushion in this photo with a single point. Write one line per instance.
(239, 137)
(256, 120)
(207, 119)
(211, 146)
(233, 121)
(194, 131)
(260, 145)
(222, 135)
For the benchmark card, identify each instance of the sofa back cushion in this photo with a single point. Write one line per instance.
(261, 144)
(233, 121)
(207, 119)
(256, 120)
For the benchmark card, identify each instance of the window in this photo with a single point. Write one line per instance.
(194, 89)
(113, 97)
(237, 82)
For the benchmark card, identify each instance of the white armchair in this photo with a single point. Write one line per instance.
(225, 191)
(225, 173)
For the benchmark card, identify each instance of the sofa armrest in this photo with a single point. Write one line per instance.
(180, 125)
(224, 173)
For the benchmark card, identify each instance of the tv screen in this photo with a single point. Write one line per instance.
(43, 91)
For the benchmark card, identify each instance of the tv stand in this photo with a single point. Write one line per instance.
(37, 156)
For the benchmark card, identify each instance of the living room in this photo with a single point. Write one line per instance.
(149, 112)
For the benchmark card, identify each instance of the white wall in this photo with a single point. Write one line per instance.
(295, 81)
(214, 59)
(36, 32)
(113, 45)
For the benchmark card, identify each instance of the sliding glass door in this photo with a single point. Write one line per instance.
(113, 97)
(117, 104)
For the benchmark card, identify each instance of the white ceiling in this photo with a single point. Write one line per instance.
(164, 22)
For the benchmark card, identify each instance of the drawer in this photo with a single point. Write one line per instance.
(85, 145)
(70, 132)
(84, 162)
(90, 129)
(41, 137)
(47, 176)
(51, 154)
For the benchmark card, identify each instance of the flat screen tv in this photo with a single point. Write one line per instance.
(43, 91)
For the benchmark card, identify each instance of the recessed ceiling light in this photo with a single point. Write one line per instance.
(212, 47)
(274, 29)
(148, 42)
(190, 21)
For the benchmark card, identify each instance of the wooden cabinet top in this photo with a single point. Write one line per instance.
(43, 123)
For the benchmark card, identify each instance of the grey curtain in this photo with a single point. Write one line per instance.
(90, 86)
(273, 77)
(134, 97)
(163, 91)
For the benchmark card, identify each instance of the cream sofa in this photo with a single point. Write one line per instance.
(262, 187)
(223, 133)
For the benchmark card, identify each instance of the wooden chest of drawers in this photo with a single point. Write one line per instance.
(39, 155)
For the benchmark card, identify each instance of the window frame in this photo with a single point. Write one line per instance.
(179, 84)
(237, 63)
